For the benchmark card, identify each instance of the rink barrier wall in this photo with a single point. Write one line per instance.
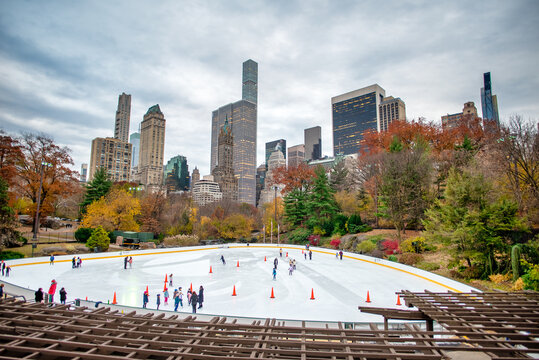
(422, 274)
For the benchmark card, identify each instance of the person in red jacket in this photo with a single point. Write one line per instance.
(52, 290)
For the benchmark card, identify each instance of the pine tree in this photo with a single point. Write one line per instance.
(99, 239)
(295, 212)
(96, 189)
(321, 205)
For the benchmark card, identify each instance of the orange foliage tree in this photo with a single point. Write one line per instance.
(116, 211)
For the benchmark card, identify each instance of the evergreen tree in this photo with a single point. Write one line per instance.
(99, 239)
(96, 189)
(295, 211)
(321, 205)
(338, 177)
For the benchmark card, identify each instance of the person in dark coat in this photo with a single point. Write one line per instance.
(125, 262)
(340, 254)
(1, 291)
(200, 296)
(39, 295)
(145, 299)
(63, 296)
(3, 267)
(223, 260)
(158, 302)
(194, 300)
(275, 262)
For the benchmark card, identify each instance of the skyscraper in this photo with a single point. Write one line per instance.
(134, 139)
(123, 116)
(195, 177)
(489, 102)
(113, 155)
(242, 117)
(391, 109)
(83, 172)
(152, 147)
(176, 174)
(313, 143)
(296, 155)
(223, 173)
(354, 114)
(275, 145)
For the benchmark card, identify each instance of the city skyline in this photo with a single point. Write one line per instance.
(63, 67)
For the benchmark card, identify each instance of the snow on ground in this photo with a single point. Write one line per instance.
(339, 286)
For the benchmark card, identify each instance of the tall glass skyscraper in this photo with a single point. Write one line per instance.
(313, 143)
(134, 140)
(123, 116)
(176, 174)
(242, 117)
(275, 145)
(489, 102)
(354, 114)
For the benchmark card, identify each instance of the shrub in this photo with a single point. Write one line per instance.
(314, 240)
(339, 224)
(327, 226)
(365, 247)
(7, 255)
(428, 266)
(83, 234)
(99, 239)
(181, 240)
(416, 245)
(410, 258)
(299, 236)
(390, 247)
(318, 231)
(354, 223)
(531, 278)
(518, 285)
(335, 243)
(392, 258)
(499, 278)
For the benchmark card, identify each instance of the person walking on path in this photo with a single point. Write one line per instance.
(158, 301)
(51, 259)
(39, 295)
(52, 290)
(194, 299)
(63, 296)
(145, 299)
(274, 273)
(165, 295)
(200, 296)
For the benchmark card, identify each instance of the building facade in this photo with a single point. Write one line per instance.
(269, 193)
(489, 102)
(123, 117)
(206, 191)
(113, 155)
(195, 177)
(354, 114)
(296, 155)
(83, 172)
(451, 121)
(391, 109)
(223, 173)
(242, 117)
(152, 147)
(176, 174)
(260, 181)
(275, 145)
(134, 140)
(313, 143)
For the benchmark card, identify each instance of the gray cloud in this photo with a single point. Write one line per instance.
(63, 64)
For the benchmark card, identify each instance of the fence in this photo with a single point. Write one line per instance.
(52, 237)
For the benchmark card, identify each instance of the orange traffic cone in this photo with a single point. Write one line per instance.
(368, 297)
(165, 287)
(86, 298)
(264, 258)
(234, 291)
(398, 300)
(312, 294)
(166, 279)
(272, 295)
(147, 289)
(210, 270)
(238, 265)
(114, 302)
(191, 287)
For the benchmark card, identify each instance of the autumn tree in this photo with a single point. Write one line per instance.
(405, 184)
(116, 211)
(152, 206)
(8, 233)
(40, 153)
(235, 226)
(98, 187)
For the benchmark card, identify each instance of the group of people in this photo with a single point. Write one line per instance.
(193, 298)
(39, 295)
(6, 269)
(129, 260)
(76, 262)
(339, 254)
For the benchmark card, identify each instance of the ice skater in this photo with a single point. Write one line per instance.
(2, 291)
(145, 299)
(274, 273)
(3, 267)
(125, 262)
(52, 290)
(310, 255)
(165, 295)
(180, 296)
(223, 260)
(290, 269)
(170, 280)
(176, 299)
(189, 294)
(294, 263)
(63, 296)
(8, 270)
(158, 301)
(281, 252)
(305, 254)
(200, 296)
(275, 263)
(130, 261)
(340, 254)
(194, 299)
(51, 260)
(73, 261)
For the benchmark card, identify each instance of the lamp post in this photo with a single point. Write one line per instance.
(36, 224)
(275, 211)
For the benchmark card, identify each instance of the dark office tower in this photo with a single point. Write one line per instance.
(195, 177)
(123, 116)
(260, 181)
(176, 174)
(354, 115)
(313, 143)
(223, 173)
(489, 102)
(275, 145)
(242, 116)
(249, 90)
(296, 155)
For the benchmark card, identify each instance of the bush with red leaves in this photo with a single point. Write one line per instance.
(391, 247)
(314, 240)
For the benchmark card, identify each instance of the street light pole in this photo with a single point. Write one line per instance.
(275, 211)
(36, 224)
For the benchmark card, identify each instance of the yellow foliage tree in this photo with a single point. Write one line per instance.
(116, 211)
(235, 226)
(269, 215)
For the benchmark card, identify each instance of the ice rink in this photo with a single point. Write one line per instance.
(339, 286)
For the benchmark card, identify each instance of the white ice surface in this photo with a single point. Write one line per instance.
(339, 286)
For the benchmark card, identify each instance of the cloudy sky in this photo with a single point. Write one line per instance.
(64, 63)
